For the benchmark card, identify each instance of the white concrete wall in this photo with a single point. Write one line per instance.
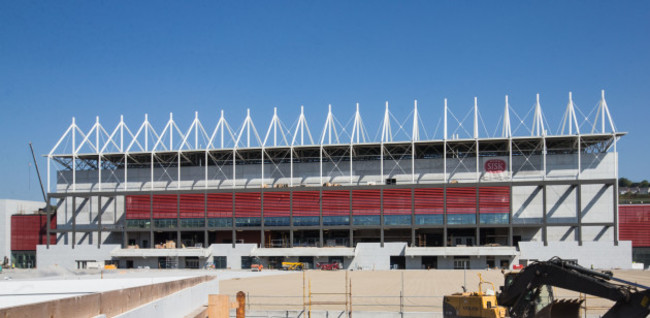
(527, 205)
(65, 256)
(233, 254)
(371, 256)
(561, 234)
(528, 234)
(597, 234)
(561, 205)
(597, 202)
(602, 255)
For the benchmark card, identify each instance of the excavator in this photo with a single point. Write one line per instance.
(529, 294)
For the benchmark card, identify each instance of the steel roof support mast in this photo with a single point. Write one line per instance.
(506, 132)
(444, 141)
(248, 127)
(274, 126)
(386, 136)
(478, 171)
(539, 130)
(415, 136)
(604, 115)
(358, 135)
(219, 131)
(301, 127)
(329, 130)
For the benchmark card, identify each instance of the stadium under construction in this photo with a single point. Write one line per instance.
(223, 197)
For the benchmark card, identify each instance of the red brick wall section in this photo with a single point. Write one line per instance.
(634, 224)
(30, 230)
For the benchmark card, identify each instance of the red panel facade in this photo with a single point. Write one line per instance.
(336, 203)
(634, 224)
(248, 204)
(461, 200)
(137, 207)
(164, 206)
(192, 206)
(428, 201)
(366, 202)
(220, 205)
(306, 203)
(30, 230)
(277, 204)
(494, 199)
(397, 201)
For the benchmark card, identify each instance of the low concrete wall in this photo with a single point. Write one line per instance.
(601, 255)
(109, 303)
(178, 304)
(65, 256)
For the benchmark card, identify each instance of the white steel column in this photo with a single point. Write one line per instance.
(351, 149)
(205, 162)
(262, 185)
(579, 157)
(126, 174)
(444, 142)
(49, 158)
(99, 155)
(178, 176)
(122, 150)
(415, 135)
(74, 156)
(386, 136)
(234, 166)
(507, 132)
(152, 156)
(478, 174)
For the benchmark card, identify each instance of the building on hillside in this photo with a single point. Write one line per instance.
(188, 198)
(635, 227)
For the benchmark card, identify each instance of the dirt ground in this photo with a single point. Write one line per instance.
(421, 290)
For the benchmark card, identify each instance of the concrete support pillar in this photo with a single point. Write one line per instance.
(544, 218)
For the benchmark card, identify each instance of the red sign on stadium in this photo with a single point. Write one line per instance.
(495, 165)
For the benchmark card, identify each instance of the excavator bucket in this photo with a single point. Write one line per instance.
(564, 308)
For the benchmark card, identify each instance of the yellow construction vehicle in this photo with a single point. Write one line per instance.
(529, 294)
(293, 266)
(473, 304)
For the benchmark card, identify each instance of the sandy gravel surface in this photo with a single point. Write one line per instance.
(380, 290)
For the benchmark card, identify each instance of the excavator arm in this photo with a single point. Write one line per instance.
(630, 302)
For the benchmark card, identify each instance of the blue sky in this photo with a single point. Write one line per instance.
(60, 59)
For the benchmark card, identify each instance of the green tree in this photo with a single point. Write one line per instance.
(644, 184)
(624, 182)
